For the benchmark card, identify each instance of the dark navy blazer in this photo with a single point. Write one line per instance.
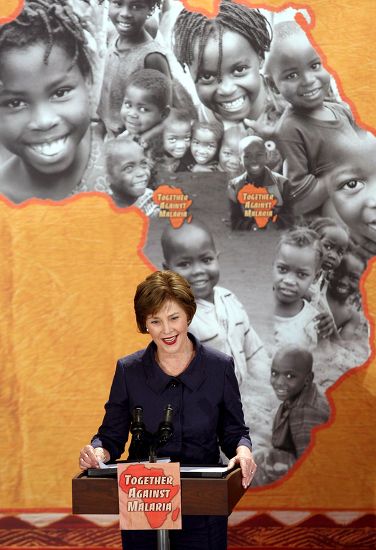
(205, 399)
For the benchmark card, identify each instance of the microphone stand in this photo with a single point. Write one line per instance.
(156, 441)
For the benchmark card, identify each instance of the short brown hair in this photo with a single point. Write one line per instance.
(158, 288)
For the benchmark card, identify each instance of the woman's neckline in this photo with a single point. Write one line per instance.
(175, 364)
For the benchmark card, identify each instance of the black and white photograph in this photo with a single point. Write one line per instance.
(239, 113)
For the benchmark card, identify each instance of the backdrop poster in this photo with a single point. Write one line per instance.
(70, 265)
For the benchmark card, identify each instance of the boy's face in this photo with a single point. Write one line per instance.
(192, 255)
(130, 170)
(352, 186)
(334, 241)
(345, 279)
(229, 154)
(254, 158)
(298, 74)
(176, 138)
(138, 112)
(128, 16)
(294, 270)
(203, 145)
(238, 95)
(44, 108)
(287, 377)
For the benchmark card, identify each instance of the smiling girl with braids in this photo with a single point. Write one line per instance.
(224, 56)
(45, 78)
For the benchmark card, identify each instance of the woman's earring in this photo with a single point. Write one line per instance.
(147, 330)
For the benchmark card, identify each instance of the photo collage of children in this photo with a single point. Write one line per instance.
(237, 115)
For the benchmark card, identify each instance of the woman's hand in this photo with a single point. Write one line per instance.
(245, 460)
(90, 457)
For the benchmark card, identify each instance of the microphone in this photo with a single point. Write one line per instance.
(138, 426)
(166, 427)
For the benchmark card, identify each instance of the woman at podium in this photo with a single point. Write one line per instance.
(199, 384)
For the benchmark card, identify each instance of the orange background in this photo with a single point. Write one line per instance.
(68, 273)
(9, 9)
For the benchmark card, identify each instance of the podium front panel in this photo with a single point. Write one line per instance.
(200, 496)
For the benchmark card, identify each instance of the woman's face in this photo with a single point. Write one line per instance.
(168, 327)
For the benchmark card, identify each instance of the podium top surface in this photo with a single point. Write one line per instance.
(186, 471)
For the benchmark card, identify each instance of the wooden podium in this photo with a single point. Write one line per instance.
(200, 496)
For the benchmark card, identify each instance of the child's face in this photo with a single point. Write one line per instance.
(192, 255)
(128, 16)
(352, 187)
(44, 108)
(177, 138)
(229, 155)
(130, 170)
(294, 270)
(138, 112)
(287, 377)
(203, 145)
(299, 75)
(238, 94)
(345, 279)
(254, 158)
(334, 241)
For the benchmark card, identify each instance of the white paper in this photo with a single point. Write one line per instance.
(203, 469)
(104, 466)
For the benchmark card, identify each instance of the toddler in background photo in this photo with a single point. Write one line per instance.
(343, 294)
(220, 320)
(229, 152)
(302, 409)
(170, 149)
(296, 265)
(254, 159)
(334, 238)
(46, 78)
(130, 50)
(310, 126)
(146, 103)
(350, 348)
(205, 143)
(129, 174)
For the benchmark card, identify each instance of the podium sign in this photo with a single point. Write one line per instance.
(149, 496)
